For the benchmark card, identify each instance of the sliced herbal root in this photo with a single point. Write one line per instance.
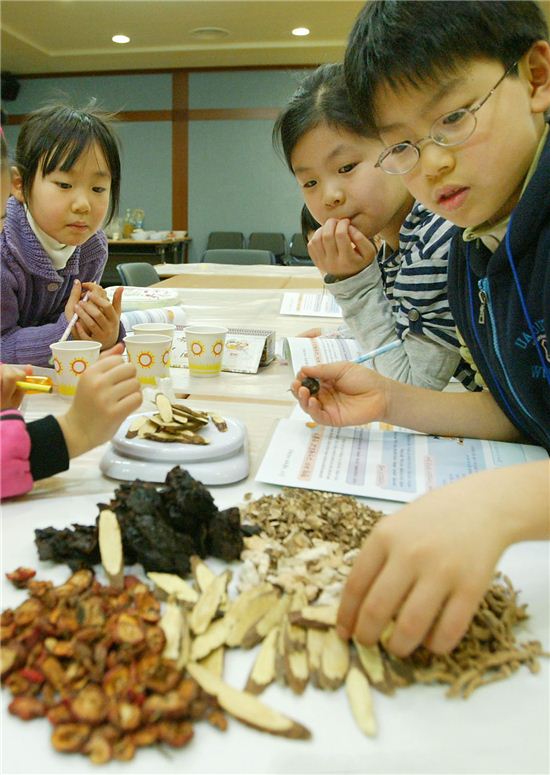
(297, 670)
(174, 585)
(214, 637)
(257, 608)
(263, 627)
(171, 623)
(201, 572)
(246, 707)
(165, 408)
(320, 616)
(215, 661)
(360, 700)
(134, 426)
(334, 661)
(219, 422)
(110, 548)
(263, 670)
(372, 662)
(208, 603)
(315, 642)
(185, 642)
(147, 427)
(237, 608)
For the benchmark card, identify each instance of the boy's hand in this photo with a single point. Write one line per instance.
(98, 319)
(10, 395)
(106, 394)
(349, 394)
(425, 568)
(338, 248)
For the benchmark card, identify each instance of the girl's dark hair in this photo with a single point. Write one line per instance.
(54, 137)
(411, 43)
(321, 98)
(307, 223)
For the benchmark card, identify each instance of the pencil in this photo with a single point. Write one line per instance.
(379, 350)
(34, 387)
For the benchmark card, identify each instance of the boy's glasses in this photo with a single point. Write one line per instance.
(450, 129)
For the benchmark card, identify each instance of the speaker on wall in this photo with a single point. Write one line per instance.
(10, 87)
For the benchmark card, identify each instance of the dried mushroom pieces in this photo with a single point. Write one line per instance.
(161, 528)
(104, 682)
(174, 423)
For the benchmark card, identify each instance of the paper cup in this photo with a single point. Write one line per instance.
(164, 329)
(70, 360)
(205, 346)
(150, 354)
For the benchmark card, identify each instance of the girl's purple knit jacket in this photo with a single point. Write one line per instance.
(33, 292)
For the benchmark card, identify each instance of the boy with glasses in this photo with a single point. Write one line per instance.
(458, 94)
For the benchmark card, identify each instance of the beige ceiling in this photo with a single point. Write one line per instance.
(54, 36)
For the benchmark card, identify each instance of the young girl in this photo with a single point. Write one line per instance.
(108, 392)
(398, 291)
(66, 184)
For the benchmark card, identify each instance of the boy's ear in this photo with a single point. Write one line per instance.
(537, 69)
(17, 185)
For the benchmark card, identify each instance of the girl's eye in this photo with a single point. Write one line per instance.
(98, 189)
(62, 185)
(347, 168)
(310, 184)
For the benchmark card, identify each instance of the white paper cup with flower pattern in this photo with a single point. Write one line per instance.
(150, 354)
(70, 361)
(205, 347)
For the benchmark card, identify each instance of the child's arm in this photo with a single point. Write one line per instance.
(352, 394)
(106, 394)
(427, 566)
(377, 310)
(10, 395)
(15, 474)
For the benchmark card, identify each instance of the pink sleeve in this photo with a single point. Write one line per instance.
(15, 450)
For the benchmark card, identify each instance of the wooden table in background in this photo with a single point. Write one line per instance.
(238, 276)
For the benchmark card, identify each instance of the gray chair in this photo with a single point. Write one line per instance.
(224, 240)
(297, 251)
(268, 240)
(138, 273)
(238, 257)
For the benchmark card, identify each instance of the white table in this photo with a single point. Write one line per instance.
(502, 728)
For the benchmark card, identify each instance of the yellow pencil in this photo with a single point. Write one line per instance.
(34, 387)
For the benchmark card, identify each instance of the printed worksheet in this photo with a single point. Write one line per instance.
(310, 304)
(390, 465)
(306, 351)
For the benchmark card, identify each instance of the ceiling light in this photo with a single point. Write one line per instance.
(300, 31)
(209, 33)
(120, 39)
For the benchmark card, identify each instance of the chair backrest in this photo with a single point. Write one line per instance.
(238, 257)
(225, 240)
(268, 240)
(298, 246)
(139, 273)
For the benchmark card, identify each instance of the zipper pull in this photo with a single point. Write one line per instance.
(483, 303)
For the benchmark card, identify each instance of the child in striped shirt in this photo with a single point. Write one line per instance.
(399, 291)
